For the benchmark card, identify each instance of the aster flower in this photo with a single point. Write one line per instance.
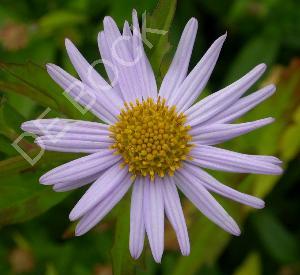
(155, 140)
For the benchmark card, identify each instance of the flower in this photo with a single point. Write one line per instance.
(152, 139)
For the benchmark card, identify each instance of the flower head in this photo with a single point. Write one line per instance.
(154, 140)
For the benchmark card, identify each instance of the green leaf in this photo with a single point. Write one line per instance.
(23, 198)
(121, 259)
(5, 146)
(259, 49)
(159, 20)
(30, 80)
(9, 119)
(207, 242)
(279, 243)
(33, 81)
(60, 18)
(290, 145)
(251, 265)
(18, 163)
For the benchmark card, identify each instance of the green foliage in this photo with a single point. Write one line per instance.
(290, 144)
(260, 49)
(54, 20)
(10, 120)
(160, 21)
(207, 242)
(23, 199)
(32, 81)
(251, 265)
(18, 81)
(276, 239)
(121, 261)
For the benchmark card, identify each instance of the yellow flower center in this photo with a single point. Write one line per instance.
(151, 137)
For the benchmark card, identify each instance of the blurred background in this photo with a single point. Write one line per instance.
(36, 236)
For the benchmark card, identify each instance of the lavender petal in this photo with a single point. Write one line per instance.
(205, 202)
(99, 211)
(72, 143)
(215, 186)
(127, 35)
(224, 160)
(175, 214)
(80, 168)
(106, 59)
(58, 126)
(154, 217)
(74, 184)
(219, 101)
(218, 133)
(113, 177)
(179, 66)
(184, 96)
(83, 94)
(123, 61)
(144, 69)
(243, 105)
(91, 77)
(137, 225)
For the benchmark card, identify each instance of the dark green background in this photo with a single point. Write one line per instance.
(36, 236)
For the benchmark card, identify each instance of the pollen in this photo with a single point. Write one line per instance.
(151, 137)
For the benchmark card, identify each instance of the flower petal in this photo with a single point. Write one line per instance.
(107, 61)
(65, 137)
(219, 101)
(243, 105)
(180, 63)
(73, 143)
(144, 69)
(137, 225)
(205, 202)
(99, 211)
(127, 35)
(175, 214)
(184, 96)
(90, 76)
(224, 160)
(212, 134)
(100, 189)
(154, 217)
(80, 168)
(74, 184)
(84, 95)
(122, 60)
(215, 186)
(57, 126)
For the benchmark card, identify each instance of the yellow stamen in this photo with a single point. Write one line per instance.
(151, 137)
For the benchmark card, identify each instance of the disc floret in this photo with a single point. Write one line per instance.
(151, 137)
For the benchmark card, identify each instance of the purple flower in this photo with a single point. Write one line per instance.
(154, 140)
